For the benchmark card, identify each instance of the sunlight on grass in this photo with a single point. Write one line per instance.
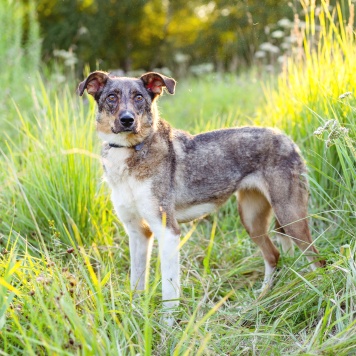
(64, 282)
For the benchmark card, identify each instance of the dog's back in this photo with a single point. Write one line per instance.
(213, 165)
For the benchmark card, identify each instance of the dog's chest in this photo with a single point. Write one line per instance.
(115, 166)
(128, 193)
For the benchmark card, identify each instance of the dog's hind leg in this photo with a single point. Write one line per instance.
(255, 212)
(290, 205)
(293, 219)
(285, 241)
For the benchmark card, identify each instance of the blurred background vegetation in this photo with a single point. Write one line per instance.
(132, 35)
(308, 48)
(178, 37)
(64, 259)
(135, 34)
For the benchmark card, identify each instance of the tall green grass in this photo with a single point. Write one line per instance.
(56, 174)
(64, 280)
(318, 91)
(19, 59)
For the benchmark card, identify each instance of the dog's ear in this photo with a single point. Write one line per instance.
(155, 82)
(94, 83)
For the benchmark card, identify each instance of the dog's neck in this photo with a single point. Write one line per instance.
(137, 147)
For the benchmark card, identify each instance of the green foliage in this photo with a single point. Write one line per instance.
(20, 56)
(149, 34)
(64, 283)
(59, 141)
(317, 90)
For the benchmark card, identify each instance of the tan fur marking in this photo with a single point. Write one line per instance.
(255, 213)
(145, 229)
(105, 123)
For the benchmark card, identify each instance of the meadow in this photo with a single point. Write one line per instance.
(64, 262)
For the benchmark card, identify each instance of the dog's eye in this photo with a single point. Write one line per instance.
(111, 98)
(139, 97)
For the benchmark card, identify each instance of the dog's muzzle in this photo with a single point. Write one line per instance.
(125, 122)
(127, 119)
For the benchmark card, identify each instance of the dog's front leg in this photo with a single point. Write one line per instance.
(169, 255)
(140, 253)
(168, 240)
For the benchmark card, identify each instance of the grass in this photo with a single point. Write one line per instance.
(64, 265)
(19, 55)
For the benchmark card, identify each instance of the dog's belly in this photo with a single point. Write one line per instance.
(194, 211)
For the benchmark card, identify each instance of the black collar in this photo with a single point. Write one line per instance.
(136, 147)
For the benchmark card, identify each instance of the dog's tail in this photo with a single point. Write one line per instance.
(285, 240)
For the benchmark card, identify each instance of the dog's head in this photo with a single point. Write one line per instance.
(127, 111)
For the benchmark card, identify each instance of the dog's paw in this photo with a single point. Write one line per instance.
(265, 288)
(168, 320)
(267, 284)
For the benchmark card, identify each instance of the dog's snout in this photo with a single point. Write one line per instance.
(126, 119)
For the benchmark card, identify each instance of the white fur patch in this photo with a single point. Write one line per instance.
(269, 270)
(194, 212)
(268, 280)
(133, 199)
(119, 139)
(116, 170)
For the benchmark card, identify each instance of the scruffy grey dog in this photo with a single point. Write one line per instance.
(161, 176)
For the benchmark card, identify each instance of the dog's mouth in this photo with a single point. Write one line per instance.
(125, 129)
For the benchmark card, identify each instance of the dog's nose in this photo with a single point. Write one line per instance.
(126, 119)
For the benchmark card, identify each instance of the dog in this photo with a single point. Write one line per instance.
(161, 176)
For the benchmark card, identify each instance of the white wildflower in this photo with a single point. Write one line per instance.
(260, 54)
(285, 23)
(181, 58)
(269, 47)
(281, 59)
(277, 34)
(225, 12)
(291, 39)
(342, 96)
